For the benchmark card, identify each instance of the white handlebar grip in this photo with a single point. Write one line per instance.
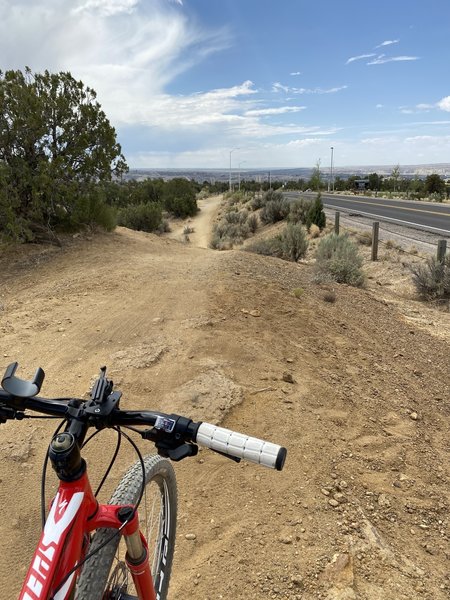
(240, 445)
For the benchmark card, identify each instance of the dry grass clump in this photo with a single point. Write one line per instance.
(364, 238)
(330, 296)
(314, 231)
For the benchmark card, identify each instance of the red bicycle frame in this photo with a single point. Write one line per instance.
(64, 543)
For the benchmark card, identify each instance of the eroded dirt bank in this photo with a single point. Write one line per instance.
(357, 393)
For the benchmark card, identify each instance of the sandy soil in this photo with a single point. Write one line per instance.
(356, 389)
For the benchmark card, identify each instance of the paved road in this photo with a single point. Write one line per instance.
(432, 217)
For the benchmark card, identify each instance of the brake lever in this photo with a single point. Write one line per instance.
(233, 458)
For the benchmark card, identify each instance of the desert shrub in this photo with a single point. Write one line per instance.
(314, 231)
(252, 223)
(226, 234)
(290, 244)
(364, 238)
(143, 217)
(275, 210)
(293, 242)
(298, 210)
(188, 229)
(337, 258)
(257, 202)
(329, 296)
(236, 217)
(233, 198)
(316, 214)
(298, 292)
(164, 226)
(432, 279)
(267, 247)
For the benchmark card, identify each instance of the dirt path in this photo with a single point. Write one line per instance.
(356, 391)
(201, 224)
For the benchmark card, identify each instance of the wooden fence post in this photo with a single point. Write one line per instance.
(441, 250)
(375, 231)
(337, 214)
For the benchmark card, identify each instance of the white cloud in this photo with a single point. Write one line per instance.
(274, 111)
(444, 104)
(127, 50)
(379, 106)
(106, 7)
(278, 87)
(295, 73)
(382, 59)
(387, 43)
(360, 57)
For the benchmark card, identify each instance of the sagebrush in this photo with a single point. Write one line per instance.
(432, 279)
(337, 258)
(291, 244)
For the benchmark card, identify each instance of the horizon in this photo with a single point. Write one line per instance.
(384, 166)
(188, 82)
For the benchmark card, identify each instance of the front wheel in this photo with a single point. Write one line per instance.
(105, 576)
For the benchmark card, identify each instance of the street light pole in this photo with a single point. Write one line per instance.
(331, 170)
(239, 174)
(231, 152)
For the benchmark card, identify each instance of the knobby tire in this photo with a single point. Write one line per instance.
(101, 575)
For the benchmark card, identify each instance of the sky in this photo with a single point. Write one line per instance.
(260, 83)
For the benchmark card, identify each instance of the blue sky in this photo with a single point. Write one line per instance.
(277, 81)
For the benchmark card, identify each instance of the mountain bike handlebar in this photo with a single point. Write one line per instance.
(175, 436)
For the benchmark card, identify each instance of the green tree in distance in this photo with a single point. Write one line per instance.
(434, 184)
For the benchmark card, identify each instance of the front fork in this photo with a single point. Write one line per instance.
(137, 555)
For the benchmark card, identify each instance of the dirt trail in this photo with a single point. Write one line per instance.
(357, 391)
(201, 224)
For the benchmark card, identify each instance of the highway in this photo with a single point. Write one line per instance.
(433, 217)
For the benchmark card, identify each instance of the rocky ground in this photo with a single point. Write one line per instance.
(353, 382)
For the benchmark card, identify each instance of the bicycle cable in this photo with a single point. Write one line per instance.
(117, 531)
(44, 476)
(111, 464)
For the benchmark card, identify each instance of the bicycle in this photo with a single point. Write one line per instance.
(71, 561)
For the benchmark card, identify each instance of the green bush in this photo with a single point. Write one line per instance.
(338, 259)
(181, 207)
(432, 279)
(315, 214)
(142, 217)
(179, 197)
(91, 210)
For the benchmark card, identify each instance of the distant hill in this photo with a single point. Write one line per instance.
(212, 175)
